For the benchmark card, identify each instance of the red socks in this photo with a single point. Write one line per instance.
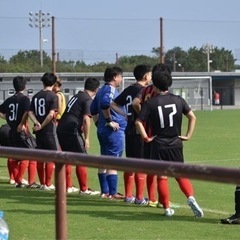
(82, 177)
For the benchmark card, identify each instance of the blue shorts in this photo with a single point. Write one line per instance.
(111, 142)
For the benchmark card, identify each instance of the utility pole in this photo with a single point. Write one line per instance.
(53, 46)
(161, 41)
(40, 20)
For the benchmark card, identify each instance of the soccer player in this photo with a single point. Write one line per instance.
(164, 112)
(140, 98)
(74, 123)
(61, 99)
(15, 109)
(110, 129)
(235, 218)
(43, 108)
(61, 108)
(133, 141)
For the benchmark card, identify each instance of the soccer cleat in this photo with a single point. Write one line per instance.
(89, 191)
(49, 188)
(143, 201)
(169, 212)
(72, 189)
(104, 195)
(117, 196)
(20, 185)
(152, 204)
(129, 199)
(24, 181)
(231, 220)
(12, 181)
(34, 185)
(198, 213)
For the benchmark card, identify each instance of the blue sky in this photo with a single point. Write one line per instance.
(96, 30)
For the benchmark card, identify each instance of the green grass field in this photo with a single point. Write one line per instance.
(30, 214)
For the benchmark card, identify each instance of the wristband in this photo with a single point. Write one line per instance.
(108, 120)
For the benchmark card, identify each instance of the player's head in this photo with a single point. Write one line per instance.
(161, 67)
(19, 83)
(49, 79)
(141, 70)
(162, 80)
(91, 84)
(112, 72)
(57, 85)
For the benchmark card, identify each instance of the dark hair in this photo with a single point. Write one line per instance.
(91, 84)
(140, 70)
(112, 72)
(58, 82)
(161, 67)
(49, 79)
(162, 80)
(19, 83)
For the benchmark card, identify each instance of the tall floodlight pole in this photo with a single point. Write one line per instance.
(161, 41)
(208, 49)
(40, 20)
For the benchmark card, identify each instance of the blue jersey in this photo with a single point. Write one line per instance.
(102, 101)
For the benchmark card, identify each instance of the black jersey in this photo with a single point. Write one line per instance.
(42, 103)
(72, 119)
(165, 114)
(14, 107)
(125, 99)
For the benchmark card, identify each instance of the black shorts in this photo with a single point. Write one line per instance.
(71, 142)
(171, 154)
(47, 142)
(134, 146)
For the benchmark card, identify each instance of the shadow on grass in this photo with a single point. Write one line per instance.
(88, 205)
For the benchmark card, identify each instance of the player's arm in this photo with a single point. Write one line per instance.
(95, 119)
(136, 104)
(48, 118)
(59, 102)
(109, 121)
(191, 126)
(86, 130)
(115, 107)
(32, 116)
(140, 128)
(22, 124)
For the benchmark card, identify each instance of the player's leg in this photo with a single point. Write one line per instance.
(235, 218)
(151, 179)
(22, 167)
(10, 170)
(102, 173)
(128, 177)
(114, 147)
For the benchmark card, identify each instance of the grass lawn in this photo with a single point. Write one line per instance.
(30, 214)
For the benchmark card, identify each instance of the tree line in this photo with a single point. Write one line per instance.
(193, 60)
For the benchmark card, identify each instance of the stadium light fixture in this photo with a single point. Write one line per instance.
(208, 49)
(40, 20)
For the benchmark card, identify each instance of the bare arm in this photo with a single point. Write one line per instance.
(136, 103)
(140, 128)
(34, 120)
(117, 109)
(86, 130)
(21, 126)
(191, 126)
